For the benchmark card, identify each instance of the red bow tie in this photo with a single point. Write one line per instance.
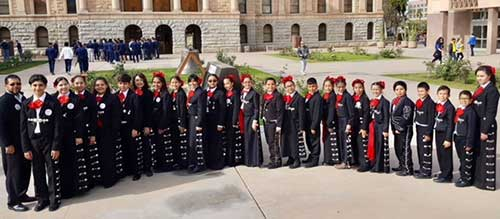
(288, 99)
(63, 99)
(419, 104)
(229, 94)
(37, 104)
(98, 99)
(339, 100)
(326, 96)
(210, 94)
(309, 96)
(374, 103)
(478, 93)
(460, 113)
(190, 96)
(139, 91)
(157, 94)
(121, 96)
(356, 98)
(268, 97)
(396, 101)
(440, 108)
(174, 95)
(81, 96)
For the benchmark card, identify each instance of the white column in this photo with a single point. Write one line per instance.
(362, 6)
(235, 6)
(282, 7)
(206, 6)
(21, 9)
(147, 5)
(82, 6)
(177, 6)
(492, 35)
(115, 5)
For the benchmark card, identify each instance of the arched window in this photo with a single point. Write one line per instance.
(42, 37)
(243, 34)
(347, 6)
(4, 6)
(73, 34)
(348, 31)
(267, 7)
(369, 5)
(243, 6)
(295, 30)
(71, 6)
(40, 6)
(369, 31)
(322, 32)
(294, 6)
(321, 6)
(268, 33)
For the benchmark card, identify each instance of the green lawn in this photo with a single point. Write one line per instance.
(437, 81)
(337, 57)
(21, 67)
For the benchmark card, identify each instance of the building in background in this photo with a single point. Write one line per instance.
(461, 18)
(417, 10)
(209, 25)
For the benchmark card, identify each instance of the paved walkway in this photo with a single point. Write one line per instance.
(243, 192)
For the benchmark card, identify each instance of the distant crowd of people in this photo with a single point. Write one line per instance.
(455, 48)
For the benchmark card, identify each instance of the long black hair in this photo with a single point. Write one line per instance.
(144, 80)
(108, 90)
(489, 71)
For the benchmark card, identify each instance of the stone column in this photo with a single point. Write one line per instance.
(21, 9)
(147, 5)
(82, 6)
(206, 6)
(281, 7)
(115, 5)
(177, 6)
(492, 35)
(235, 6)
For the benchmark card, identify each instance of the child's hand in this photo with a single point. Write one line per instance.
(385, 134)
(446, 144)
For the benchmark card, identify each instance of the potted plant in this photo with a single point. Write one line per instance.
(381, 40)
(412, 38)
(404, 37)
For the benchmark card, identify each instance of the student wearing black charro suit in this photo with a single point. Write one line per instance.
(486, 104)
(330, 149)
(234, 139)
(110, 148)
(145, 96)
(89, 106)
(196, 105)
(360, 124)
(425, 113)
(313, 111)
(16, 168)
(272, 114)
(250, 107)
(179, 123)
(444, 127)
(293, 123)
(74, 178)
(131, 127)
(214, 124)
(41, 136)
(378, 130)
(465, 137)
(345, 111)
(402, 127)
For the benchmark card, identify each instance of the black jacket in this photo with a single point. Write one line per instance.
(132, 111)
(362, 110)
(425, 116)
(197, 107)
(216, 106)
(381, 114)
(251, 104)
(10, 111)
(329, 110)
(444, 121)
(314, 108)
(179, 107)
(346, 108)
(467, 126)
(273, 110)
(89, 107)
(296, 111)
(72, 115)
(486, 108)
(402, 114)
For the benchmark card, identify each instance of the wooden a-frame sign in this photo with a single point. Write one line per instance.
(191, 56)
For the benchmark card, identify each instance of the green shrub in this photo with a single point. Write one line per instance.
(359, 51)
(451, 70)
(288, 51)
(27, 55)
(391, 53)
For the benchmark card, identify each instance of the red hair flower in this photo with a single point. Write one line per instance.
(159, 74)
(340, 79)
(245, 76)
(358, 81)
(287, 79)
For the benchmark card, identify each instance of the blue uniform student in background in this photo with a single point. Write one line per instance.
(51, 54)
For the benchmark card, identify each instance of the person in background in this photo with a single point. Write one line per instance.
(67, 54)
(5, 45)
(472, 43)
(51, 54)
(303, 53)
(438, 53)
(460, 49)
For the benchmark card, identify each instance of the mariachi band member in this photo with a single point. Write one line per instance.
(179, 125)
(74, 177)
(16, 168)
(249, 123)
(313, 111)
(272, 114)
(214, 124)
(486, 103)
(110, 153)
(293, 123)
(161, 135)
(196, 105)
(402, 127)
(378, 131)
(145, 95)
(425, 112)
(234, 138)
(88, 106)
(465, 137)
(131, 127)
(345, 111)
(41, 138)
(331, 151)
(360, 124)
(444, 127)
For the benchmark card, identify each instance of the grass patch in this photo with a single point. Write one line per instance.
(432, 79)
(21, 67)
(338, 57)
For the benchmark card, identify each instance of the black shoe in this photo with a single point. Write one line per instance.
(307, 160)
(397, 169)
(136, 177)
(404, 173)
(18, 208)
(295, 164)
(197, 169)
(27, 198)
(440, 179)
(311, 164)
(289, 162)
(364, 169)
(41, 205)
(422, 176)
(149, 173)
(462, 183)
(53, 207)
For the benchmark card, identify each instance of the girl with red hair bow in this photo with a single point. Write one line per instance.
(331, 151)
(378, 131)
(345, 112)
(179, 122)
(293, 124)
(233, 144)
(249, 123)
(360, 125)
(486, 103)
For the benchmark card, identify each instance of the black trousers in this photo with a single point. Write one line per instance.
(43, 167)
(445, 156)
(424, 152)
(17, 175)
(466, 159)
(403, 149)
(314, 144)
(272, 141)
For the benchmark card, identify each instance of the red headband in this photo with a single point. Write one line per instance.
(381, 84)
(287, 79)
(358, 81)
(232, 78)
(244, 76)
(331, 79)
(159, 74)
(340, 79)
(493, 70)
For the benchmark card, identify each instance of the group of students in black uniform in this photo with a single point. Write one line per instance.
(81, 139)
